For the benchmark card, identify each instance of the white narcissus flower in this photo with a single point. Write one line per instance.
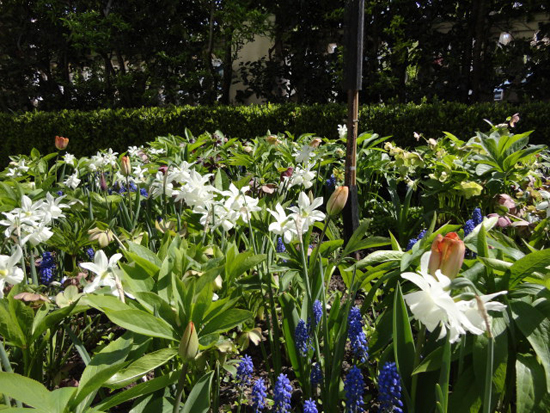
(283, 224)
(306, 212)
(304, 154)
(69, 159)
(433, 306)
(72, 181)
(52, 207)
(302, 176)
(9, 272)
(104, 270)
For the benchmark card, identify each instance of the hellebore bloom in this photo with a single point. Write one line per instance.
(337, 201)
(61, 142)
(447, 255)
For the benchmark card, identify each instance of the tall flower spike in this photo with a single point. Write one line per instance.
(316, 376)
(259, 395)
(301, 338)
(309, 406)
(356, 335)
(389, 385)
(354, 386)
(317, 312)
(244, 371)
(282, 394)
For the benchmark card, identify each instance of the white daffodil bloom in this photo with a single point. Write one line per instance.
(302, 176)
(342, 131)
(53, 208)
(139, 173)
(216, 214)
(181, 173)
(161, 186)
(9, 272)
(306, 212)
(134, 151)
(110, 157)
(283, 225)
(104, 269)
(37, 235)
(239, 202)
(69, 159)
(72, 181)
(474, 314)
(304, 153)
(197, 191)
(434, 307)
(153, 151)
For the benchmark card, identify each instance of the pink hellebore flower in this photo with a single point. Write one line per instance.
(503, 221)
(447, 255)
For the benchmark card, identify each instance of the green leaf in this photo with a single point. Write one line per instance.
(141, 367)
(430, 363)
(9, 327)
(102, 366)
(139, 390)
(226, 321)
(530, 385)
(142, 323)
(377, 257)
(403, 346)
(534, 262)
(27, 391)
(60, 397)
(198, 400)
(242, 263)
(535, 326)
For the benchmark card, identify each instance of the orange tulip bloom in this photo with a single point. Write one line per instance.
(61, 142)
(447, 255)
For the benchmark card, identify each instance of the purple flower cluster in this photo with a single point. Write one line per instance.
(244, 371)
(259, 395)
(302, 338)
(282, 394)
(389, 385)
(413, 241)
(316, 376)
(317, 312)
(309, 406)
(356, 335)
(354, 386)
(47, 268)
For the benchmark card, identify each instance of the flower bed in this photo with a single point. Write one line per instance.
(206, 274)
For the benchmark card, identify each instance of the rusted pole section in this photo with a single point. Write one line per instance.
(353, 74)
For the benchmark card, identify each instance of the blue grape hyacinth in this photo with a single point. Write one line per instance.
(389, 385)
(316, 376)
(244, 371)
(310, 406)
(413, 241)
(477, 217)
(354, 386)
(468, 227)
(317, 312)
(280, 245)
(47, 268)
(302, 338)
(356, 335)
(259, 395)
(282, 394)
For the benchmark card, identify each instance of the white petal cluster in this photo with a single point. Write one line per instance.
(303, 216)
(104, 270)
(30, 223)
(434, 307)
(9, 271)
(302, 176)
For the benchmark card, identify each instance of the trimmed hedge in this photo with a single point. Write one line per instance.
(120, 128)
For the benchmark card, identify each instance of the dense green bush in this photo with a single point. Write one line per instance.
(89, 131)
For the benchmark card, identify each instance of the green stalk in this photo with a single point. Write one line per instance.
(5, 362)
(180, 391)
(33, 267)
(418, 347)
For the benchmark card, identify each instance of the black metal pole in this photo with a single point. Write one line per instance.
(353, 73)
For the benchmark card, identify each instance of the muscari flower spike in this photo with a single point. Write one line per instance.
(477, 217)
(259, 395)
(309, 406)
(302, 338)
(354, 385)
(47, 268)
(413, 241)
(280, 248)
(317, 312)
(244, 371)
(282, 394)
(389, 385)
(356, 335)
(316, 376)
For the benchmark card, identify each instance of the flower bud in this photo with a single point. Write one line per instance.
(103, 182)
(125, 167)
(315, 142)
(61, 142)
(273, 140)
(447, 255)
(337, 200)
(287, 173)
(189, 344)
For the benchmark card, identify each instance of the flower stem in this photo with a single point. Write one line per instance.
(181, 384)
